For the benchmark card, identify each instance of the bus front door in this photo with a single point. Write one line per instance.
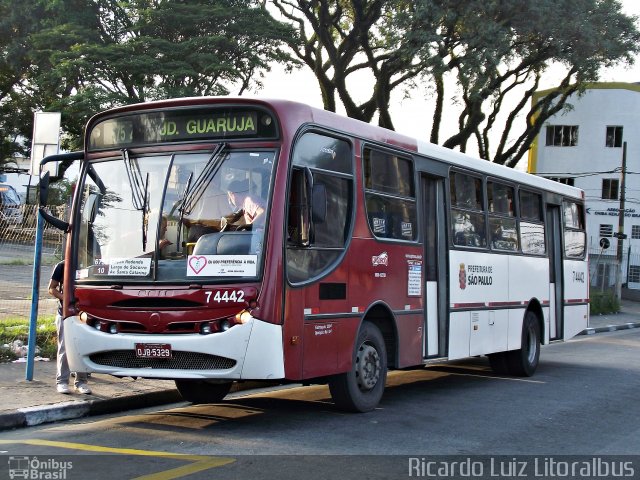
(435, 260)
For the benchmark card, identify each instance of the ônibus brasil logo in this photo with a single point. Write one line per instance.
(462, 277)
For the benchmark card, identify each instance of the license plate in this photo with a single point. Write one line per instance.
(153, 350)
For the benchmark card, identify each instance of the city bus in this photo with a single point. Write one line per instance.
(220, 240)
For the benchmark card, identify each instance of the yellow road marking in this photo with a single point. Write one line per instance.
(186, 469)
(198, 462)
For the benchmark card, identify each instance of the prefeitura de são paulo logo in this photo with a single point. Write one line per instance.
(462, 277)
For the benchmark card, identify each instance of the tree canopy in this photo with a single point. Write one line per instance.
(82, 56)
(480, 60)
(494, 52)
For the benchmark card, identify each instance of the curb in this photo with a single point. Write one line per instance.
(32, 416)
(610, 328)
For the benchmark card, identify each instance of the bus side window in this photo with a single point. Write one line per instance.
(319, 206)
(467, 214)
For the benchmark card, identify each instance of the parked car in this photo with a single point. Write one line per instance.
(10, 205)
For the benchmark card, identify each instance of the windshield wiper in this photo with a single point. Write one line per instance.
(180, 202)
(200, 185)
(139, 192)
(191, 194)
(138, 188)
(145, 213)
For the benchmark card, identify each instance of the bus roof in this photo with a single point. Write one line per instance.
(293, 114)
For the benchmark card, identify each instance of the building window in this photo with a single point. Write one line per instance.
(564, 180)
(634, 274)
(606, 230)
(610, 187)
(635, 232)
(614, 137)
(562, 135)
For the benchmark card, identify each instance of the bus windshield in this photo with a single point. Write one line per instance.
(176, 217)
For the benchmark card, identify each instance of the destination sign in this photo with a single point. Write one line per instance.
(182, 125)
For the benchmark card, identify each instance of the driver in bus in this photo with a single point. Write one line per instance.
(242, 203)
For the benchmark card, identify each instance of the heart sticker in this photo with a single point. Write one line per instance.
(197, 264)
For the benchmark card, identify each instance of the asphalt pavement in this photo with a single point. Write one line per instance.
(28, 403)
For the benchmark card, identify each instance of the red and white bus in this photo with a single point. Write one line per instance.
(224, 239)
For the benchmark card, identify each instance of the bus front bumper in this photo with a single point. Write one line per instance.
(250, 351)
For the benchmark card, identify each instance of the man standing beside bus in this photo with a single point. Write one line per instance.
(62, 371)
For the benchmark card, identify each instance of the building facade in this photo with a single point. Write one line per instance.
(583, 146)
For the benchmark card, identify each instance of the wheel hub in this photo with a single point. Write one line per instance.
(368, 367)
(532, 346)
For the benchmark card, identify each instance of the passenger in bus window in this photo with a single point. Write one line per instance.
(468, 229)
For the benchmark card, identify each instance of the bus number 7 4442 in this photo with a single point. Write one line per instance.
(225, 296)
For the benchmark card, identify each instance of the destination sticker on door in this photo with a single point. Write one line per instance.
(222, 265)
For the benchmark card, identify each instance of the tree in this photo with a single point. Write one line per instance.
(17, 23)
(498, 50)
(88, 55)
(494, 50)
(344, 39)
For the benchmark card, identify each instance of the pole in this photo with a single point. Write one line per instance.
(620, 235)
(35, 296)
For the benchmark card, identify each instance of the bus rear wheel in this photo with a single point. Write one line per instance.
(524, 361)
(361, 388)
(203, 391)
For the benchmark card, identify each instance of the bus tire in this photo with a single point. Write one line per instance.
(523, 362)
(361, 388)
(203, 391)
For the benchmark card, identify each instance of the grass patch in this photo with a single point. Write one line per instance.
(17, 261)
(22, 262)
(12, 329)
(603, 302)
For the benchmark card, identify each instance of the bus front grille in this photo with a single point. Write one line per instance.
(178, 361)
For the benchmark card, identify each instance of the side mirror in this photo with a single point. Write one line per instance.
(43, 189)
(53, 221)
(299, 222)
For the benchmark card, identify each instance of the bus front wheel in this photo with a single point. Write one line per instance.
(361, 388)
(203, 391)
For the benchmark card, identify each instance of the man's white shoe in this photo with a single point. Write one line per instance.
(83, 388)
(62, 388)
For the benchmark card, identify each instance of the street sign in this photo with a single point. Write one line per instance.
(46, 140)
(604, 243)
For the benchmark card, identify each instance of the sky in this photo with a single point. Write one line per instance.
(412, 116)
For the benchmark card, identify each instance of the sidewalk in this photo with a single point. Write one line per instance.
(629, 317)
(28, 403)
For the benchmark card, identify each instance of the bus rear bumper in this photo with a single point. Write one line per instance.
(250, 351)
